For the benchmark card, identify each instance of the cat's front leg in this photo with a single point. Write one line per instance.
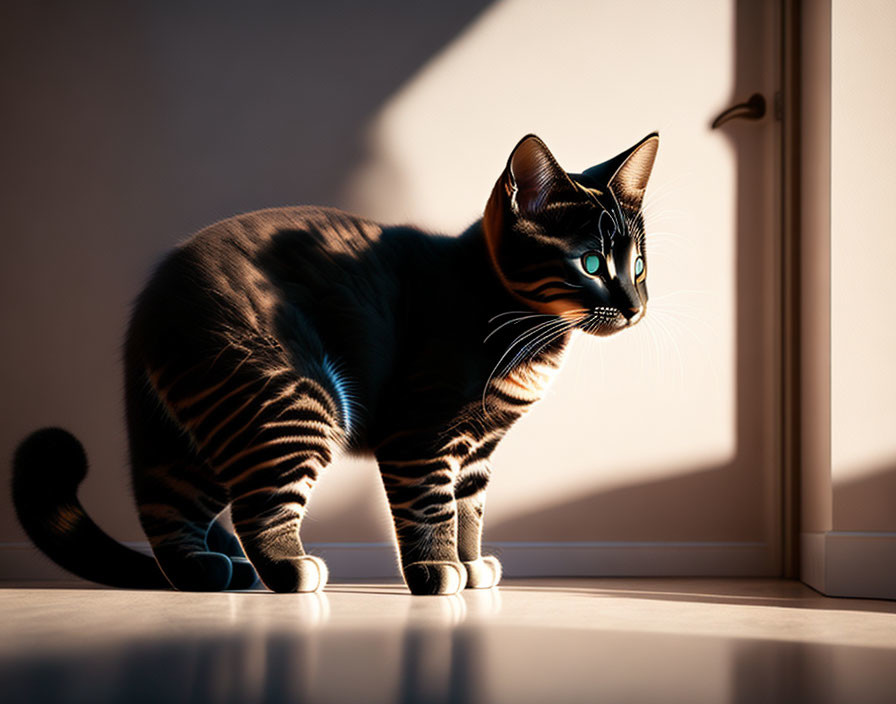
(424, 510)
(483, 572)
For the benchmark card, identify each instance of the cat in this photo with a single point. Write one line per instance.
(270, 341)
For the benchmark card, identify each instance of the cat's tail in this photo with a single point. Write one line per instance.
(47, 469)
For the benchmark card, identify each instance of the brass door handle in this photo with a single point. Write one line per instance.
(752, 109)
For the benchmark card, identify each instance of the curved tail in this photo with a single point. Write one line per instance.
(47, 469)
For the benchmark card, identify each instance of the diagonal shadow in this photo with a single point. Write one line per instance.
(868, 502)
(127, 126)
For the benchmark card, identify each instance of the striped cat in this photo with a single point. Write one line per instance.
(271, 341)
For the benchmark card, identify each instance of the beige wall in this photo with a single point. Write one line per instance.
(134, 127)
(848, 542)
(667, 433)
(863, 250)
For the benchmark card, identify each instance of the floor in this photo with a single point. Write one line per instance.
(545, 641)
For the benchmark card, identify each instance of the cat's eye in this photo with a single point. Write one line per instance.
(639, 269)
(591, 263)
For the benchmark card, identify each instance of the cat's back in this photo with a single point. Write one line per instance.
(273, 271)
(307, 230)
(247, 257)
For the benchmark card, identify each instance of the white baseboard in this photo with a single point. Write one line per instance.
(841, 563)
(23, 562)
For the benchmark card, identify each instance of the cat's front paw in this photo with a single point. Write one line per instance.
(295, 574)
(483, 573)
(435, 577)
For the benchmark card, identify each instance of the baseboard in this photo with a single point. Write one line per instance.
(841, 563)
(23, 562)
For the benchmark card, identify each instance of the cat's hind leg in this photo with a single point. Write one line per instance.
(177, 499)
(271, 477)
(220, 539)
(266, 431)
(176, 505)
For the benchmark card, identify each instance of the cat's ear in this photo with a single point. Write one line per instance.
(630, 178)
(534, 178)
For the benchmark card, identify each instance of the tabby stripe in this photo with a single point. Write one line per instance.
(471, 484)
(406, 495)
(269, 520)
(301, 424)
(182, 404)
(538, 285)
(310, 413)
(483, 452)
(203, 437)
(271, 449)
(196, 420)
(257, 501)
(414, 469)
(406, 516)
(546, 292)
(314, 391)
(238, 477)
(163, 386)
(431, 499)
(513, 400)
(304, 472)
(243, 426)
(304, 415)
(203, 416)
(434, 479)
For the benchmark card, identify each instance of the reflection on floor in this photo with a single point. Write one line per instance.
(576, 640)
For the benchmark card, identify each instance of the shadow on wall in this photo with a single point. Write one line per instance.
(127, 126)
(134, 125)
(866, 503)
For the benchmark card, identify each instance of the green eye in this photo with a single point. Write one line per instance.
(591, 262)
(639, 267)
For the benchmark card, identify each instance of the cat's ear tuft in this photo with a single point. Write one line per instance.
(535, 178)
(630, 179)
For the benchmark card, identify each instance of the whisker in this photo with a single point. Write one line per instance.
(511, 312)
(541, 330)
(517, 320)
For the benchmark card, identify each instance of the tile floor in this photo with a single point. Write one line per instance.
(540, 641)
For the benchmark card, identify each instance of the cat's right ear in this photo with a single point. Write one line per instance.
(533, 178)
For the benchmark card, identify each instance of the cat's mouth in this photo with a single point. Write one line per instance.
(608, 321)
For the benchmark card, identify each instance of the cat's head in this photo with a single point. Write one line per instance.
(573, 244)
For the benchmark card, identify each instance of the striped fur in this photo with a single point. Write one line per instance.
(270, 342)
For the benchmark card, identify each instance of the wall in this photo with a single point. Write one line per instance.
(132, 126)
(863, 288)
(850, 515)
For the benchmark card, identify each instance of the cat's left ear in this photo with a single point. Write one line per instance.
(629, 180)
(534, 179)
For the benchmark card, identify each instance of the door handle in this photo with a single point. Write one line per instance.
(752, 109)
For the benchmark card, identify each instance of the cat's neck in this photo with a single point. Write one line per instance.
(510, 326)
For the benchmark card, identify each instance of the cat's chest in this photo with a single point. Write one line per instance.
(523, 385)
